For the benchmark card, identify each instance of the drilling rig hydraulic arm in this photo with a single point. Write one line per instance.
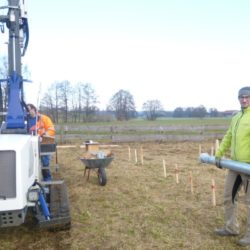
(17, 23)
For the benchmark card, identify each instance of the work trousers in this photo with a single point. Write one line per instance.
(231, 222)
(45, 163)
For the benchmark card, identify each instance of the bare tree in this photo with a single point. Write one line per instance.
(84, 101)
(179, 112)
(199, 111)
(213, 112)
(65, 91)
(74, 105)
(152, 109)
(78, 91)
(50, 102)
(123, 105)
(48, 106)
(89, 100)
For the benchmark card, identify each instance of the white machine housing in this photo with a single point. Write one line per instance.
(19, 168)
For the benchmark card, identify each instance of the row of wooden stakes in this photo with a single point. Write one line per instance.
(213, 149)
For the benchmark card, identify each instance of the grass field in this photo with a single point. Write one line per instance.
(140, 207)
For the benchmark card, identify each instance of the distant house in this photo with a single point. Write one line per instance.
(229, 113)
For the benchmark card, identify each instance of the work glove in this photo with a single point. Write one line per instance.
(217, 162)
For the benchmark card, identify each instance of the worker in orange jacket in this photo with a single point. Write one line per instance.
(39, 124)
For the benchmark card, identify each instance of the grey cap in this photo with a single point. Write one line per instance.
(244, 91)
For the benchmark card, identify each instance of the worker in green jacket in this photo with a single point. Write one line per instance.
(237, 140)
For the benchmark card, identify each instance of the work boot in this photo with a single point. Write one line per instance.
(245, 241)
(224, 232)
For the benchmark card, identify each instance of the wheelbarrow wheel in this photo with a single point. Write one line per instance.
(102, 176)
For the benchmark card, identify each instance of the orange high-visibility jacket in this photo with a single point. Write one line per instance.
(44, 126)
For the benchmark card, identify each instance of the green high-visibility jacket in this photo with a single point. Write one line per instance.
(237, 138)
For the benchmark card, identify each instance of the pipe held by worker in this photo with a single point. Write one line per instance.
(237, 166)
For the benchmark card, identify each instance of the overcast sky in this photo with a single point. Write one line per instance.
(184, 53)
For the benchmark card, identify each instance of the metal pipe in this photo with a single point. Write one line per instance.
(240, 167)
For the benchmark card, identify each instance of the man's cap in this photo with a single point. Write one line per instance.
(245, 91)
